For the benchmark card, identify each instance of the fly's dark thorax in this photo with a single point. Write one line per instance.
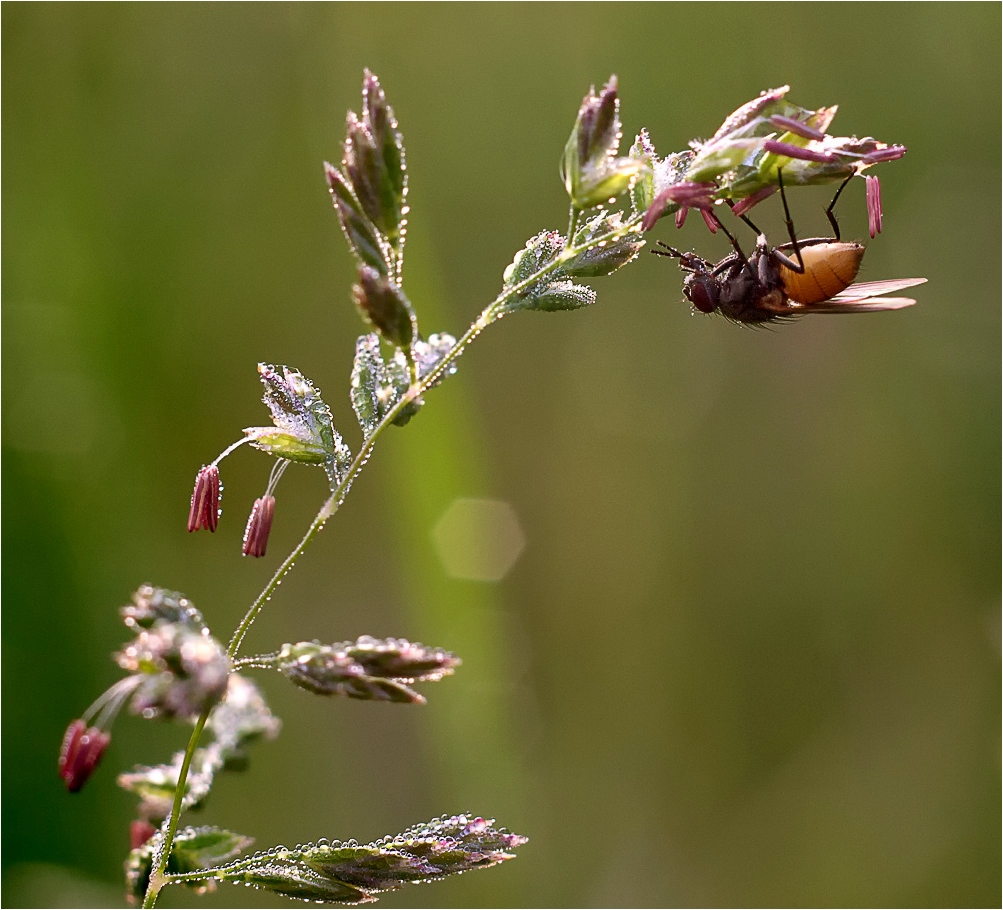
(753, 293)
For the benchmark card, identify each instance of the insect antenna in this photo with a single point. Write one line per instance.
(672, 251)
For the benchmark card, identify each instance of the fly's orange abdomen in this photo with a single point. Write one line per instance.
(828, 269)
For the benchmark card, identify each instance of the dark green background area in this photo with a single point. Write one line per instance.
(750, 654)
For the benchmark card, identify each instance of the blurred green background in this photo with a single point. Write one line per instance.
(749, 654)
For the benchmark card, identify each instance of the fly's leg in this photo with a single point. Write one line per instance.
(798, 265)
(745, 218)
(734, 243)
(786, 260)
(829, 213)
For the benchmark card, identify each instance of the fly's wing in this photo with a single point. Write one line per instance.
(865, 297)
(874, 288)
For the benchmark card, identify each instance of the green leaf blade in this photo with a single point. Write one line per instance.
(201, 848)
(391, 178)
(561, 295)
(351, 873)
(363, 238)
(304, 429)
(368, 384)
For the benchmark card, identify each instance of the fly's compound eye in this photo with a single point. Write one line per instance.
(703, 293)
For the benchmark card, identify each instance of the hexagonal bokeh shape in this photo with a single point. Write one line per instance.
(478, 539)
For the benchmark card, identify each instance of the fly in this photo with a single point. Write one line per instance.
(793, 279)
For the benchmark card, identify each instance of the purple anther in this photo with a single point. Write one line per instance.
(709, 220)
(796, 151)
(744, 205)
(890, 153)
(655, 211)
(681, 214)
(873, 186)
(686, 194)
(694, 195)
(204, 512)
(796, 126)
(80, 753)
(259, 524)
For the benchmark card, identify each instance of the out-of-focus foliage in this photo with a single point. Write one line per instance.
(754, 636)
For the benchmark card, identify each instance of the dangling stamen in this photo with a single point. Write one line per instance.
(873, 204)
(204, 511)
(205, 508)
(259, 524)
(84, 744)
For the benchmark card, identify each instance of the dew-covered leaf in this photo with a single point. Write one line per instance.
(608, 256)
(392, 175)
(591, 172)
(155, 785)
(353, 873)
(296, 406)
(369, 382)
(241, 718)
(238, 720)
(373, 162)
(304, 431)
(285, 874)
(383, 305)
(428, 357)
(193, 850)
(200, 848)
(398, 658)
(555, 290)
(363, 238)
(769, 133)
(657, 176)
(540, 250)
(378, 385)
(152, 605)
(368, 668)
(642, 191)
(179, 672)
(327, 670)
(562, 295)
